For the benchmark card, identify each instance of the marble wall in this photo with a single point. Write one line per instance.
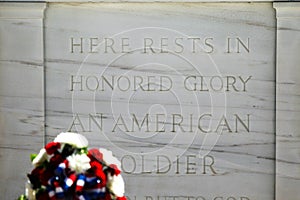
(287, 101)
(183, 68)
(72, 89)
(21, 92)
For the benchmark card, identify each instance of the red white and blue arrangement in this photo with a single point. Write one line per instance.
(66, 169)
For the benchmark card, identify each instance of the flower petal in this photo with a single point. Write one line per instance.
(116, 185)
(79, 162)
(40, 158)
(75, 139)
(109, 159)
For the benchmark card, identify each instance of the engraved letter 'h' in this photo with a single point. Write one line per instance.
(76, 45)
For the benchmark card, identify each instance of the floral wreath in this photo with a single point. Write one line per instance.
(66, 169)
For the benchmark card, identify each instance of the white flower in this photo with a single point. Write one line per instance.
(79, 162)
(29, 192)
(109, 159)
(40, 158)
(75, 139)
(116, 185)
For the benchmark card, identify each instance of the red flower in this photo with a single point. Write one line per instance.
(55, 160)
(43, 195)
(95, 154)
(121, 198)
(52, 147)
(116, 170)
(97, 169)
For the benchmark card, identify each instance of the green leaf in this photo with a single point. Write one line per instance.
(33, 156)
(22, 197)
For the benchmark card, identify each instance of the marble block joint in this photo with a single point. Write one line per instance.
(21, 92)
(287, 101)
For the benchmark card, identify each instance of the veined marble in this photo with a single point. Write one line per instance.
(168, 162)
(21, 92)
(287, 101)
(155, 83)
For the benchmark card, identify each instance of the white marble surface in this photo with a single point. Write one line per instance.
(177, 1)
(36, 67)
(288, 102)
(243, 160)
(21, 93)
